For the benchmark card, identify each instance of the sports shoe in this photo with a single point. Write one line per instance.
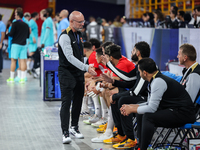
(75, 132)
(100, 122)
(102, 128)
(66, 138)
(86, 120)
(94, 119)
(17, 79)
(22, 81)
(101, 138)
(10, 80)
(35, 74)
(84, 113)
(29, 72)
(116, 139)
(105, 124)
(115, 129)
(126, 144)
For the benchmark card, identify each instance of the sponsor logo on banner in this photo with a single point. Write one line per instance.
(184, 39)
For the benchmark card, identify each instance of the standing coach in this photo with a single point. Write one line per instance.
(71, 75)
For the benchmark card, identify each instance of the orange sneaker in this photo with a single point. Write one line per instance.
(126, 144)
(102, 129)
(101, 126)
(114, 129)
(116, 139)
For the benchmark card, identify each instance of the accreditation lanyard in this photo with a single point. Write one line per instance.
(189, 69)
(77, 39)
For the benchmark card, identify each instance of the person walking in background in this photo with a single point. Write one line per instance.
(64, 22)
(32, 39)
(19, 32)
(47, 36)
(71, 75)
(2, 36)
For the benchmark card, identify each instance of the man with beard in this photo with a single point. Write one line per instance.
(71, 75)
(136, 93)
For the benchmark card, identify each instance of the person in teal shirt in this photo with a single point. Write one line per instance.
(47, 35)
(26, 17)
(32, 47)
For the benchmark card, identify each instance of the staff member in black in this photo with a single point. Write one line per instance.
(71, 75)
(169, 105)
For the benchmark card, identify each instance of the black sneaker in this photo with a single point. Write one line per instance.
(35, 75)
(75, 132)
(29, 72)
(66, 138)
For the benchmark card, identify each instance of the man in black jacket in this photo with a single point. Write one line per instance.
(169, 105)
(71, 75)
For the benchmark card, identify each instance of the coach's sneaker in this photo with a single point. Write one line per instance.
(10, 80)
(115, 139)
(94, 119)
(126, 144)
(22, 81)
(100, 122)
(101, 138)
(66, 138)
(17, 79)
(75, 132)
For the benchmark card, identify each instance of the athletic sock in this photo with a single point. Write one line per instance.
(85, 104)
(97, 106)
(12, 74)
(23, 74)
(28, 64)
(104, 108)
(19, 73)
(110, 125)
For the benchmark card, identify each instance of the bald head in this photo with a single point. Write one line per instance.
(75, 15)
(64, 13)
(76, 20)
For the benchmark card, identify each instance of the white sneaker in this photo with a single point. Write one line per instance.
(86, 121)
(101, 138)
(94, 119)
(84, 113)
(66, 138)
(75, 132)
(100, 122)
